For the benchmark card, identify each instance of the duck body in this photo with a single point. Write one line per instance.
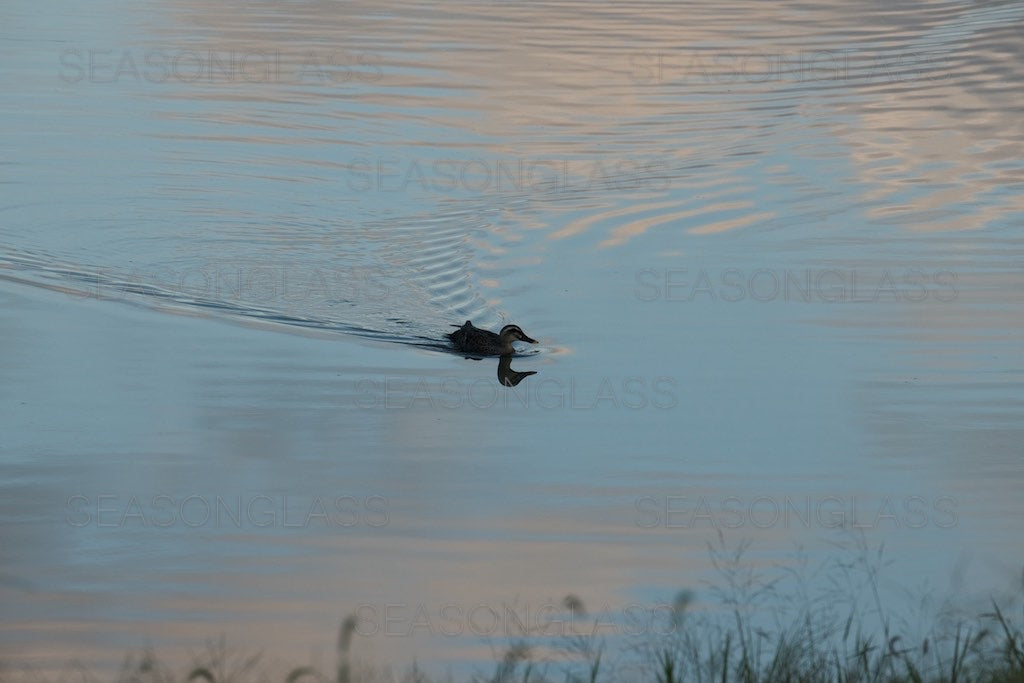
(470, 339)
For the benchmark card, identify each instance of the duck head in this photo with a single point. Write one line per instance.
(511, 333)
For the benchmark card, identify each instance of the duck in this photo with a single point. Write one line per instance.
(472, 339)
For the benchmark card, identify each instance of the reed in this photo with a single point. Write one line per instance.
(757, 626)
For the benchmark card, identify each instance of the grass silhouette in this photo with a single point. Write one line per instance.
(757, 627)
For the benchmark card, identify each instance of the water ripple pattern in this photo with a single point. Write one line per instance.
(376, 170)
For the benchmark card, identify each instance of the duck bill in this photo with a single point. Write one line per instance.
(527, 339)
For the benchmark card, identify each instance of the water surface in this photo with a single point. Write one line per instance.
(772, 255)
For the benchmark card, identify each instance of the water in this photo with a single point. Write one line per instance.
(772, 255)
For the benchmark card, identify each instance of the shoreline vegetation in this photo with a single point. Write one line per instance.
(754, 624)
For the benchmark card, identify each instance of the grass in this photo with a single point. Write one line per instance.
(760, 626)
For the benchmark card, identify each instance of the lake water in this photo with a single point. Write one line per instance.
(772, 254)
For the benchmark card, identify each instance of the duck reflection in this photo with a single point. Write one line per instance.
(508, 377)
